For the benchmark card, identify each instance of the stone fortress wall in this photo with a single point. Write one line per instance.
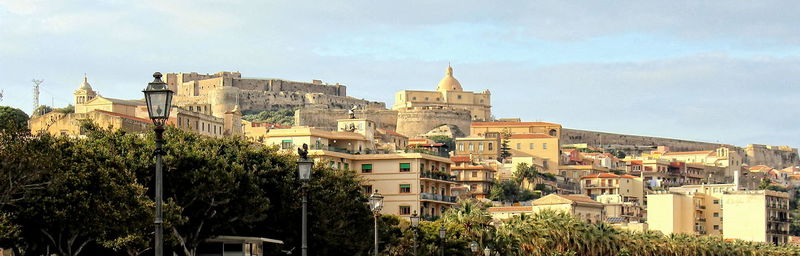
(773, 156)
(224, 90)
(326, 118)
(414, 121)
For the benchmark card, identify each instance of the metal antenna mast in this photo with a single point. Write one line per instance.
(1, 95)
(36, 83)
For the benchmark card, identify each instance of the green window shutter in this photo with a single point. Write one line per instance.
(405, 166)
(287, 141)
(405, 185)
(366, 166)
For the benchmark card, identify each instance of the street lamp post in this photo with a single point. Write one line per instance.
(442, 234)
(415, 225)
(304, 172)
(473, 247)
(159, 103)
(376, 204)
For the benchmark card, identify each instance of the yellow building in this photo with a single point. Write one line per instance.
(478, 148)
(759, 216)
(542, 148)
(450, 94)
(630, 188)
(408, 181)
(478, 179)
(721, 157)
(575, 172)
(690, 209)
(482, 128)
(579, 206)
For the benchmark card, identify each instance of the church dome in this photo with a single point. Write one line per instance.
(449, 83)
(85, 85)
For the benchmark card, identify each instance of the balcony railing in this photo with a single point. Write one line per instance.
(377, 151)
(436, 175)
(437, 197)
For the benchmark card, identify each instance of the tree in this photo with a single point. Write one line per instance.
(505, 149)
(447, 140)
(85, 199)
(280, 116)
(13, 120)
(41, 110)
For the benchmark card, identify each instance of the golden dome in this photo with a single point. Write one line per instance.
(449, 83)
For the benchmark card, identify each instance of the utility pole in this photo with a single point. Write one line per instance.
(36, 83)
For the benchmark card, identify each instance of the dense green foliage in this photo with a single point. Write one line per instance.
(557, 233)
(12, 120)
(281, 116)
(450, 142)
(92, 196)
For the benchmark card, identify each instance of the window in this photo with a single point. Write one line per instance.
(286, 144)
(405, 188)
(405, 167)
(716, 227)
(475, 174)
(426, 98)
(531, 145)
(716, 201)
(480, 147)
(367, 189)
(346, 166)
(366, 168)
(414, 98)
(459, 97)
(460, 146)
(544, 164)
(491, 146)
(544, 145)
(405, 210)
(519, 145)
(716, 214)
(471, 147)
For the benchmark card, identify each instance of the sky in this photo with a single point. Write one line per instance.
(714, 71)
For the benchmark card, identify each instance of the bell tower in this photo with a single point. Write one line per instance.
(84, 93)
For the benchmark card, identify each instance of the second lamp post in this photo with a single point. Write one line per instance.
(376, 204)
(304, 172)
(159, 102)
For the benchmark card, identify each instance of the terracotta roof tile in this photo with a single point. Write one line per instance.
(511, 123)
(531, 136)
(510, 209)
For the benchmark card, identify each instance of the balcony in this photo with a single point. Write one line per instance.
(436, 176)
(437, 197)
(701, 219)
(377, 151)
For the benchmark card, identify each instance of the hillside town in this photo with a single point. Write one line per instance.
(431, 149)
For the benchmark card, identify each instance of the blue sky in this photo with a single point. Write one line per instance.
(717, 71)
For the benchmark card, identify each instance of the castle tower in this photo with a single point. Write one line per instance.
(84, 93)
(449, 82)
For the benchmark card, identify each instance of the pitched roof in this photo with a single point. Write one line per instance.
(531, 136)
(601, 175)
(125, 116)
(689, 153)
(460, 159)
(391, 132)
(471, 168)
(564, 199)
(121, 101)
(512, 124)
(510, 209)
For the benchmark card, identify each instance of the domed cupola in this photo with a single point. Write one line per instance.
(449, 83)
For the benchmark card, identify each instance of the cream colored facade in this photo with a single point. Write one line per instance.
(691, 209)
(759, 216)
(622, 195)
(450, 94)
(579, 206)
(409, 182)
(575, 172)
(479, 179)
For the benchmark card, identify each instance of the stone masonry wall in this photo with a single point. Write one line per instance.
(776, 157)
(325, 118)
(415, 121)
